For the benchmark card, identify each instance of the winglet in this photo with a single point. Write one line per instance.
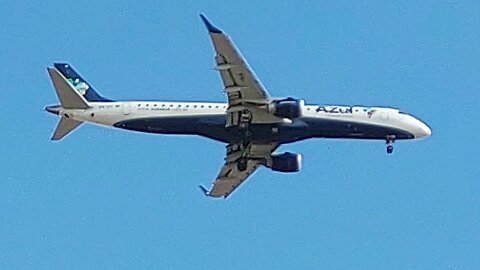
(209, 25)
(204, 190)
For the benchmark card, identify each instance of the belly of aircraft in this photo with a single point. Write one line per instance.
(214, 127)
(344, 129)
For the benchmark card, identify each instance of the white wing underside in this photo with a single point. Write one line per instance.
(245, 92)
(239, 80)
(230, 177)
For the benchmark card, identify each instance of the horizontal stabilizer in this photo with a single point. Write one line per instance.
(69, 97)
(65, 126)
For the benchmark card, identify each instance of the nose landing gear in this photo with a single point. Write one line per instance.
(390, 140)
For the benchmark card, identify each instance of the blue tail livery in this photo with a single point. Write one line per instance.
(79, 83)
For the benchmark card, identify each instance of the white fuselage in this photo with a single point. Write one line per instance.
(110, 113)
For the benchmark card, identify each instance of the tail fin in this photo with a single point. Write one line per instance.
(79, 83)
(68, 96)
(65, 126)
(73, 93)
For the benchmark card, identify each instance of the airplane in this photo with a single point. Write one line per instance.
(252, 124)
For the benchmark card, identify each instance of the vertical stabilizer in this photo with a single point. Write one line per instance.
(82, 86)
(68, 96)
(65, 126)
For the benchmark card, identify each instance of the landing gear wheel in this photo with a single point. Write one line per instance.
(390, 141)
(242, 164)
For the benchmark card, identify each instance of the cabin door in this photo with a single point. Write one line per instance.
(127, 108)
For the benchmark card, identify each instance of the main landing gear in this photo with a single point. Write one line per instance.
(390, 140)
(242, 164)
(244, 120)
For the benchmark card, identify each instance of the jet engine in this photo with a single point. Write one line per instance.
(286, 162)
(287, 108)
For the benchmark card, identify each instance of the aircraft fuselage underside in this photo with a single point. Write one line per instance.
(303, 128)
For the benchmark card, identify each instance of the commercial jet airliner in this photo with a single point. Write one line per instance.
(252, 124)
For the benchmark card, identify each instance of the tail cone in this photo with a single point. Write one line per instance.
(53, 109)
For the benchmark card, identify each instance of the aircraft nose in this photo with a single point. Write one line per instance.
(416, 127)
(420, 129)
(425, 131)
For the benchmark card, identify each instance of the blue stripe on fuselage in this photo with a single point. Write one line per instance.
(213, 126)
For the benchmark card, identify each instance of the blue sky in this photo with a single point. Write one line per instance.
(111, 199)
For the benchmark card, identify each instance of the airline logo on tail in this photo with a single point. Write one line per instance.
(80, 86)
(78, 83)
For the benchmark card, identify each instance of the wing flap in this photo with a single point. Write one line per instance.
(230, 176)
(234, 70)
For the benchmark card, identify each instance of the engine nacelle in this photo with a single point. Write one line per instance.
(286, 162)
(287, 108)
